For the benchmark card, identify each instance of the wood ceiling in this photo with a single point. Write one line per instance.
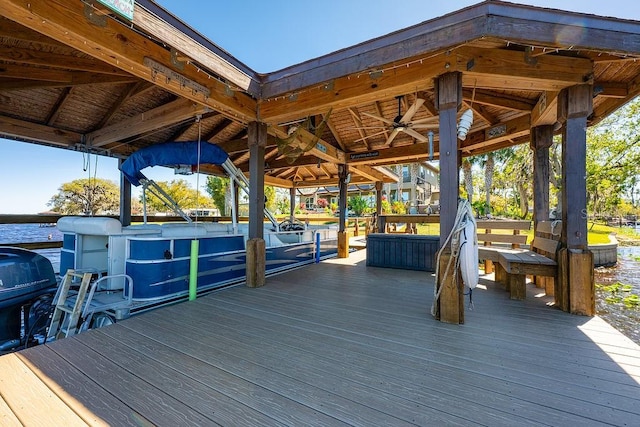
(75, 76)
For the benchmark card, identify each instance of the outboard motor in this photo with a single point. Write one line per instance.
(27, 281)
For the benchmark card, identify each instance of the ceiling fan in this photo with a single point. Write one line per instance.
(404, 123)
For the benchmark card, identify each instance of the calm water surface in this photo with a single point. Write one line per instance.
(23, 233)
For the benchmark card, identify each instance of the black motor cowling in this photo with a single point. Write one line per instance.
(25, 276)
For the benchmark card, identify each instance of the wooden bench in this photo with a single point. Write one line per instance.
(496, 236)
(515, 264)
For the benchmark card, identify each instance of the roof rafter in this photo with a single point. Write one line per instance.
(122, 47)
(163, 116)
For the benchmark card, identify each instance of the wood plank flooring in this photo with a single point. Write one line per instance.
(336, 343)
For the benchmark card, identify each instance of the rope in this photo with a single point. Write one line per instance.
(463, 214)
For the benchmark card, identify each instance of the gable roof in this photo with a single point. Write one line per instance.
(114, 87)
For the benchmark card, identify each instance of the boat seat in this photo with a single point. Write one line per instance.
(94, 226)
(217, 228)
(183, 230)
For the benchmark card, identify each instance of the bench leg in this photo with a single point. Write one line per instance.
(488, 266)
(501, 275)
(517, 284)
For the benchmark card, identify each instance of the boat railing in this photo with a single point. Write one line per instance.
(354, 224)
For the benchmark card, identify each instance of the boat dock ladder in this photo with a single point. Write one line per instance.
(74, 309)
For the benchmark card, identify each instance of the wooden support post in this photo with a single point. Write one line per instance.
(256, 259)
(256, 253)
(581, 283)
(576, 285)
(376, 227)
(561, 288)
(292, 203)
(343, 234)
(257, 133)
(541, 140)
(125, 198)
(343, 244)
(448, 100)
(451, 303)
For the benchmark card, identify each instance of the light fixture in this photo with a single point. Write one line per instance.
(466, 120)
(348, 178)
(465, 124)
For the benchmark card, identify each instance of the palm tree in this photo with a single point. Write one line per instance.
(468, 178)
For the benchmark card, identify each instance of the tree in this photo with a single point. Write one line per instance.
(181, 193)
(468, 178)
(613, 155)
(270, 198)
(88, 196)
(358, 205)
(217, 188)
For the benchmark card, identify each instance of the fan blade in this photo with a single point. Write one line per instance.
(382, 119)
(424, 126)
(416, 135)
(393, 134)
(412, 111)
(369, 127)
(425, 120)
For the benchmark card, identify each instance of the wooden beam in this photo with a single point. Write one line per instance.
(481, 68)
(54, 112)
(277, 182)
(375, 174)
(69, 78)
(13, 30)
(504, 131)
(546, 110)
(353, 90)
(322, 149)
(611, 89)
(163, 116)
(366, 172)
(355, 115)
(20, 129)
(133, 90)
(335, 133)
(52, 60)
(127, 49)
(499, 68)
(401, 154)
(500, 100)
(188, 46)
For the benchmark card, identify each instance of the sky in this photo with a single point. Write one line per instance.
(265, 35)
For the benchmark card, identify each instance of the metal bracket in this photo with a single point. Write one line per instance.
(175, 60)
(529, 58)
(157, 68)
(94, 16)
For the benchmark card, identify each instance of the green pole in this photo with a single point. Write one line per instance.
(193, 270)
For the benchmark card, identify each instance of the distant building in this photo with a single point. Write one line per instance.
(419, 188)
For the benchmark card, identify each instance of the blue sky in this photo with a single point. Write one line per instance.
(266, 36)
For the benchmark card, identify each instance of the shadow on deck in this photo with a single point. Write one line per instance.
(335, 343)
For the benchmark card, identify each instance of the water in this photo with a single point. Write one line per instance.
(24, 233)
(625, 319)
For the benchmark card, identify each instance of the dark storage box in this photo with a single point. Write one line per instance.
(406, 251)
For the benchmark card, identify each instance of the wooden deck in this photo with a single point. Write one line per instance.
(332, 344)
